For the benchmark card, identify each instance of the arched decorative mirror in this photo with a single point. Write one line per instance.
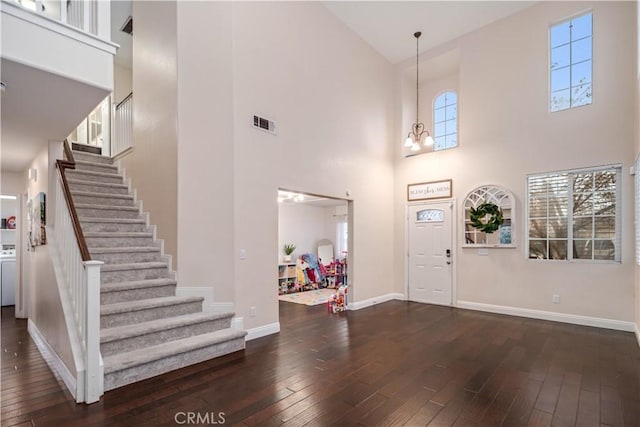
(325, 251)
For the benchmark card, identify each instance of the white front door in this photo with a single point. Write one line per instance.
(430, 255)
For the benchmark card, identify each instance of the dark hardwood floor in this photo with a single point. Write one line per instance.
(396, 363)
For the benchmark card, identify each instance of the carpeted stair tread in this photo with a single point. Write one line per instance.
(102, 195)
(123, 249)
(112, 220)
(136, 284)
(96, 164)
(133, 266)
(143, 356)
(94, 173)
(96, 183)
(145, 304)
(106, 207)
(118, 234)
(94, 158)
(127, 331)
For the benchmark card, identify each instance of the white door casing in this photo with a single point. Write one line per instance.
(430, 252)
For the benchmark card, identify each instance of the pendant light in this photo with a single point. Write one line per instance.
(414, 137)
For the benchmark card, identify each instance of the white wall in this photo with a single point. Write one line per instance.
(506, 132)
(637, 153)
(297, 64)
(205, 151)
(45, 308)
(303, 225)
(333, 97)
(152, 165)
(12, 183)
(122, 84)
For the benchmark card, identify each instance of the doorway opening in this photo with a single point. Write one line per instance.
(313, 251)
(9, 232)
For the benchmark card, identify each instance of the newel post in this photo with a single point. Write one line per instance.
(93, 370)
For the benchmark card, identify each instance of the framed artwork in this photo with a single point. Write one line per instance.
(37, 219)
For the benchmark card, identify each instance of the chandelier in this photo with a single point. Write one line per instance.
(415, 136)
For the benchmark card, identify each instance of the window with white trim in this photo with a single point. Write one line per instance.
(571, 46)
(574, 215)
(445, 121)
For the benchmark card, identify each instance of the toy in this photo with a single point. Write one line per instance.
(338, 301)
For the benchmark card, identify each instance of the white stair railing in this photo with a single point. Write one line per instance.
(122, 139)
(90, 16)
(82, 286)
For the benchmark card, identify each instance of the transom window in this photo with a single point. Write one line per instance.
(571, 63)
(574, 215)
(430, 215)
(445, 121)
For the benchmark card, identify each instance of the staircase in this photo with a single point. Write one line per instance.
(146, 330)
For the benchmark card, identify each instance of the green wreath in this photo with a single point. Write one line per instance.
(478, 214)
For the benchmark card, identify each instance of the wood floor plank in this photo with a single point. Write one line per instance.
(398, 363)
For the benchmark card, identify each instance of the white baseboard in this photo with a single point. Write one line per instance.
(263, 331)
(208, 305)
(375, 300)
(51, 357)
(597, 322)
(637, 334)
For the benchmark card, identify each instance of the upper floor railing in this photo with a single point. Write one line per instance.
(108, 127)
(90, 16)
(122, 138)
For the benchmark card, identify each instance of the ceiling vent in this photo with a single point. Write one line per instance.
(127, 27)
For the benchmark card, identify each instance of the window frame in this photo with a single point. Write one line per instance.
(433, 118)
(617, 239)
(549, 59)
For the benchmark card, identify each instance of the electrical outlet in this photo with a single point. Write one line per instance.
(556, 299)
(252, 311)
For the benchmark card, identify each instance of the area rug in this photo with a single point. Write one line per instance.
(319, 296)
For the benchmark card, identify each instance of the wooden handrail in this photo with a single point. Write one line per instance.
(124, 100)
(63, 165)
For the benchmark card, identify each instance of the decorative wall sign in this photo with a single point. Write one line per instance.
(429, 190)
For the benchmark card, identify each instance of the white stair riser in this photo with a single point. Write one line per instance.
(165, 335)
(98, 188)
(118, 242)
(124, 257)
(133, 275)
(125, 295)
(96, 167)
(107, 213)
(113, 227)
(77, 174)
(139, 316)
(111, 201)
(137, 373)
(77, 155)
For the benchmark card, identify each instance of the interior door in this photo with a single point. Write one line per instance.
(429, 251)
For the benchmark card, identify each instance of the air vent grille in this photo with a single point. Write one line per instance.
(264, 124)
(127, 27)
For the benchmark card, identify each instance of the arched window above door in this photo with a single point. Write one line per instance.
(445, 121)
